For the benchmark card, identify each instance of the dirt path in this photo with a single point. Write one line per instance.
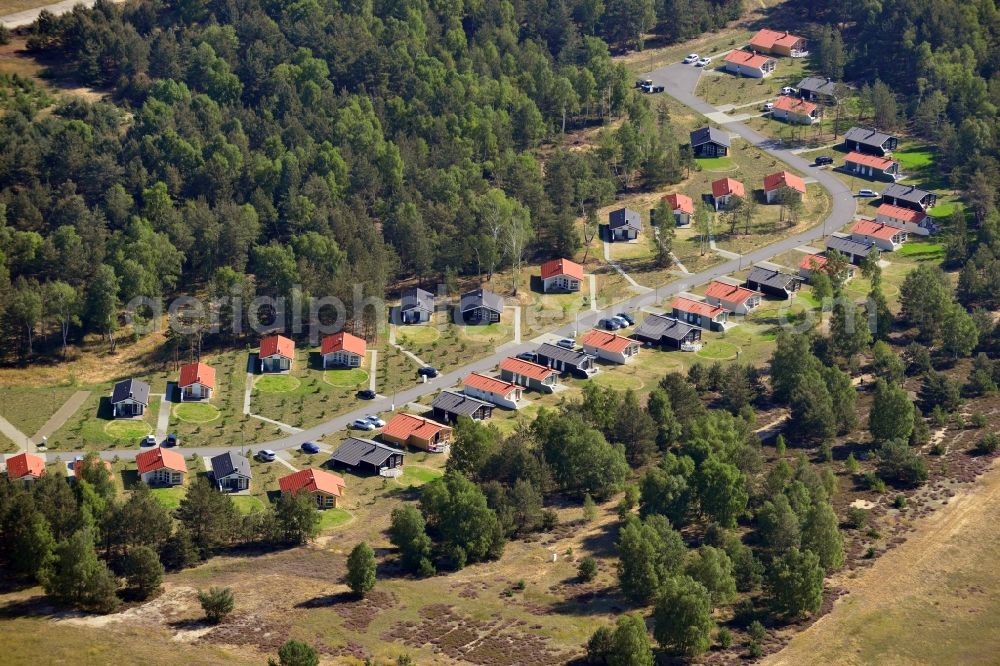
(62, 415)
(15, 435)
(934, 599)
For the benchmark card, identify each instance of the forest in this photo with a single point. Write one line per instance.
(261, 146)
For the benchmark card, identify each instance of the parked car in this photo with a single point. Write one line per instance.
(621, 322)
(608, 324)
(528, 356)
(171, 440)
(788, 91)
(375, 420)
(567, 343)
(626, 317)
(310, 447)
(823, 159)
(865, 192)
(767, 106)
(366, 394)
(266, 455)
(651, 88)
(428, 371)
(702, 62)
(642, 83)
(148, 440)
(692, 57)
(362, 424)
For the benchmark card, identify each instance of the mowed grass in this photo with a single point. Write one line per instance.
(718, 350)
(415, 476)
(127, 429)
(169, 498)
(715, 163)
(922, 250)
(276, 383)
(248, 503)
(196, 412)
(416, 335)
(617, 380)
(332, 518)
(346, 377)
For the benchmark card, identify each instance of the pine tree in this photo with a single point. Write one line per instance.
(683, 617)
(361, 569)
(75, 576)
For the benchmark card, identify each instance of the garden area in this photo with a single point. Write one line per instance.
(722, 89)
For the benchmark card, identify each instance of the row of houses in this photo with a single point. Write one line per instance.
(758, 58)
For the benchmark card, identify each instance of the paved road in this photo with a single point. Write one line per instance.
(28, 16)
(680, 82)
(62, 415)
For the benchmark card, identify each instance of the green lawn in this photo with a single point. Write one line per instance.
(416, 335)
(170, 498)
(922, 250)
(276, 383)
(248, 503)
(196, 412)
(346, 378)
(617, 380)
(331, 518)
(718, 350)
(128, 430)
(715, 163)
(415, 476)
(29, 407)
(488, 332)
(942, 210)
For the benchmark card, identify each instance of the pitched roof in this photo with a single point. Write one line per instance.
(160, 458)
(555, 267)
(197, 373)
(770, 276)
(402, 426)
(624, 217)
(481, 298)
(606, 340)
(729, 292)
(874, 229)
(866, 136)
(657, 327)
(747, 59)
(784, 179)
(25, 464)
(343, 341)
(526, 368)
(811, 262)
(130, 389)
(794, 105)
(696, 307)
(488, 384)
(80, 465)
(355, 450)
(901, 214)
(681, 202)
(767, 39)
(312, 480)
(456, 403)
(706, 134)
(277, 344)
(817, 85)
(555, 352)
(415, 298)
(849, 246)
(872, 161)
(905, 192)
(228, 463)
(728, 186)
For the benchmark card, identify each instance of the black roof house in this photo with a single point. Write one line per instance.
(480, 306)
(366, 454)
(415, 298)
(624, 217)
(855, 250)
(869, 141)
(130, 389)
(908, 196)
(709, 142)
(772, 281)
(814, 87)
(449, 405)
(666, 331)
(573, 361)
(231, 471)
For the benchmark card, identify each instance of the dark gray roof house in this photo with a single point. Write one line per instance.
(908, 196)
(231, 471)
(855, 250)
(416, 305)
(449, 405)
(813, 87)
(772, 281)
(360, 453)
(480, 306)
(667, 331)
(624, 217)
(572, 361)
(872, 142)
(130, 397)
(704, 135)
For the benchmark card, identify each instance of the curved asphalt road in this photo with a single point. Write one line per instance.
(679, 81)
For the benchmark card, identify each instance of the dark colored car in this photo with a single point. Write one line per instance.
(528, 356)
(310, 447)
(626, 317)
(823, 159)
(366, 394)
(171, 440)
(428, 371)
(609, 324)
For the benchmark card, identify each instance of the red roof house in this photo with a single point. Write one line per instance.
(325, 486)
(343, 349)
(872, 166)
(276, 353)
(778, 43)
(885, 236)
(528, 374)
(682, 207)
(749, 64)
(161, 466)
(609, 346)
(775, 181)
(197, 381)
(724, 189)
(914, 221)
(408, 429)
(795, 110)
(497, 391)
(25, 466)
(732, 297)
(561, 275)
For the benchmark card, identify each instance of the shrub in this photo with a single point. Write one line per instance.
(852, 464)
(754, 650)
(724, 638)
(899, 501)
(938, 449)
(870, 552)
(217, 602)
(978, 420)
(988, 443)
(757, 631)
(295, 653)
(587, 569)
(857, 517)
